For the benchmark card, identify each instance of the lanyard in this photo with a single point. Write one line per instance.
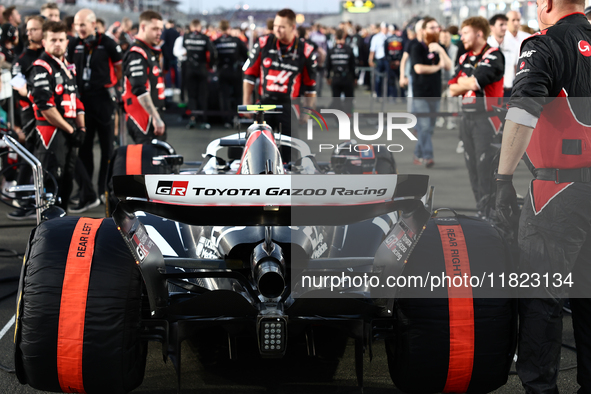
(62, 65)
(88, 58)
(295, 51)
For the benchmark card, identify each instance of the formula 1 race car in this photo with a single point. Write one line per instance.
(267, 256)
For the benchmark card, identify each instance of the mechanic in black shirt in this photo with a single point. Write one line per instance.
(143, 95)
(201, 56)
(21, 70)
(427, 59)
(283, 63)
(232, 53)
(59, 113)
(98, 61)
(340, 71)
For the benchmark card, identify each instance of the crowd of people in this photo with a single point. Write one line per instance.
(69, 75)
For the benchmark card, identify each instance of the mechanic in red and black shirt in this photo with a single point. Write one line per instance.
(20, 72)
(22, 67)
(98, 61)
(550, 121)
(59, 113)
(479, 80)
(283, 63)
(143, 94)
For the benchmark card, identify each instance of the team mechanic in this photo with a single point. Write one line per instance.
(59, 113)
(340, 72)
(479, 80)
(232, 53)
(549, 119)
(143, 95)
(98, 63)
(283, 63)
(201, 56)
(21, 69)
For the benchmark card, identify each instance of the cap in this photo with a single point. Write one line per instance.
(588, 10)
(383, 24)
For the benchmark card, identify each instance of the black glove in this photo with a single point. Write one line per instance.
(506, 208)
(77, 137)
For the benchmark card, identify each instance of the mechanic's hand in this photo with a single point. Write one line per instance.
(159, 126)
(403, 81)
(506, 209)
(77, 137)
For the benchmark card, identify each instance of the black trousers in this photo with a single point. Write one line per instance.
(555, 240)
(477, 133)
(230, 94)
(100, 120)
(339, 87)
(198, 90)
(25, 172)
(59, 159)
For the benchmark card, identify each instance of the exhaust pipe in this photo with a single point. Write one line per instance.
(268, 269)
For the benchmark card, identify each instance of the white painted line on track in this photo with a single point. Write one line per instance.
(7, 326)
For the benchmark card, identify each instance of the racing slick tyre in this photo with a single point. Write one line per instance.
(463, 337)
(79, 310)
(133, 160)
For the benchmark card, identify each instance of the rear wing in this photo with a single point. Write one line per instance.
(265, 200)
(269, 200)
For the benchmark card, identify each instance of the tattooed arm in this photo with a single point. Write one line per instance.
(516, 138)
(146, 101)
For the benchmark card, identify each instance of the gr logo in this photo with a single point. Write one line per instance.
(172, 188)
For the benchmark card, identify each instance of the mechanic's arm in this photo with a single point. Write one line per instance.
(146, 101)
(22, 90)
(464, 85)
(54, 118)
(516, 138)
(247, 89)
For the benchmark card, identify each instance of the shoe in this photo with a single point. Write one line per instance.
(460, 148)
(192, 124)
(417, 161)
(429, 163)
(84, 206)
(440, 122)
(22, 214)
(103, 198)
(205, 126)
